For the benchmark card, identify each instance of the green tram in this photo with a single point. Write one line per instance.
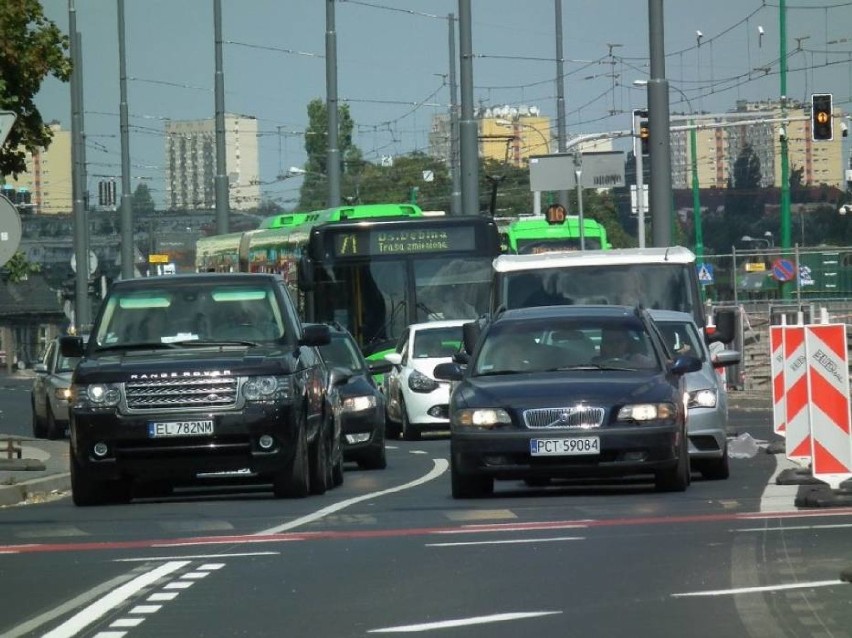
(536, 234)
(373, 273)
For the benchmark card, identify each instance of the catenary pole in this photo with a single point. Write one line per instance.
(221, 179)
(468, 133)
(332, 169)
(785, 159)
(660, 190)
(560, 93)
(127, 247)
(455, 196)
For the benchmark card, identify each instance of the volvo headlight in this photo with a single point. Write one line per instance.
(359, 404)
(647, 412)
(268, 388)
(419, 382)
(705, 398)
(96, 395)
(481, 418)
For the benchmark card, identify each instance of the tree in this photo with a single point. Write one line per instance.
(143, 203)
(17, 269)
(32, 49)
(315, 185)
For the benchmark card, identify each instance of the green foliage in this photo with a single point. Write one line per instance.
(31, 48)
(17, 269)
(142, 201)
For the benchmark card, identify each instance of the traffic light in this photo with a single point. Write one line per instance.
(822, 128)
(644, 136)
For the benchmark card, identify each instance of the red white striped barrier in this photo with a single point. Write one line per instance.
(828, 405)
(776, 365)
(797, 418)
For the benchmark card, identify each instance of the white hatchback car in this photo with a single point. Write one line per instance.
(707, 403)
(416, 401)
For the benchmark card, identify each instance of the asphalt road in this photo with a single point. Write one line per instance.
(391, 552)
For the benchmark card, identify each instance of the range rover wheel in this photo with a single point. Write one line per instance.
(470, 485)
(295, 481)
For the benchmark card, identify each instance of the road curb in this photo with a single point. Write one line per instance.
(19, 492)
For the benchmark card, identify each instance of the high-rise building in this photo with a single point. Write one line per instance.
(47, 180)
(506, 134)
(191, 163)
(718, 148)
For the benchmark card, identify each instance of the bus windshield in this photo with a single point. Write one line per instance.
(547, 244)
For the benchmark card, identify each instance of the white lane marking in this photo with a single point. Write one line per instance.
(178, 584)
(162, 597)
(127, 622)
(439, 468)
(225, 541)
(145, 609)
(779, 498)
(196, 557)
(462, 622)
(218, 565)
(195, 575)
(792, 528)
(510, 542)
(110, 634)
(754, 590)
(417, 452)
(90, 614)
(27, 628)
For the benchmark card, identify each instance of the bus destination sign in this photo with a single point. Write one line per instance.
(376, 242)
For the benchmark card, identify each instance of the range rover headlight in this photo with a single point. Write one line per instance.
(481, 418)
(647, 412)
(97, 395)
(267, 388)
(359, 404)
(705, 398)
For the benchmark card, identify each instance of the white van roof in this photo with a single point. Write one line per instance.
(569, 258)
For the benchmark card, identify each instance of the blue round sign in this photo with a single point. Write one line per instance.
(783, 270)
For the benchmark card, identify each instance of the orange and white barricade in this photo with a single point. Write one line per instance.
(828, 404)
(776, 366)
(796, 394)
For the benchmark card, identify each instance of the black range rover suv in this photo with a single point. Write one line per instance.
(197, 374)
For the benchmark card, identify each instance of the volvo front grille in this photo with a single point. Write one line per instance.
(573, 417)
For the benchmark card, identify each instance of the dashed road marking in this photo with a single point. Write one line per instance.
(463, 622)
(755, 590)
(513, 541)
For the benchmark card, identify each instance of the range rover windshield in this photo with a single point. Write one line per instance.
(188, 314)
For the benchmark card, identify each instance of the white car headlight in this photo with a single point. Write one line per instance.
(705, 398)
(63, 394)
(267, 388)
(647, 412)
(97, 395)
(481, 418)
(359, 404)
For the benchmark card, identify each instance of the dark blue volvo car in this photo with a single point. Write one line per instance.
(568, 391)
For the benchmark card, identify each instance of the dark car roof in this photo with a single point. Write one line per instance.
(585, 311)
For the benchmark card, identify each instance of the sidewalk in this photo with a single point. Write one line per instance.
(749, 400)
(41, 471)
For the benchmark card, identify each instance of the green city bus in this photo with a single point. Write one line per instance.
(535, 234)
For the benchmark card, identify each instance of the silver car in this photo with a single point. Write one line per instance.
(707, 403)
(51, 390)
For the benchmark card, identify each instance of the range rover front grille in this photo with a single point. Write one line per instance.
(192, 393)
(573, 417)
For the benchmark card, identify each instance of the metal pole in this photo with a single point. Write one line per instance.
(785, 160)
(696, 196)
(221, 179)
(468, 133)
(127, 247)
(455, 196)
(82, 314)
(578, 174)
(734, 273)
(660, 192)
(332, 168)
(560, 93)
(640, 182)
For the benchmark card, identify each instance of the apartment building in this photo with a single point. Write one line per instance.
(191, 163)
(47, 179)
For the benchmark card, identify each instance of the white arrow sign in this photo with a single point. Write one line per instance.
(7, 119)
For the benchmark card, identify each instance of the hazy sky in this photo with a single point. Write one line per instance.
(393, 61)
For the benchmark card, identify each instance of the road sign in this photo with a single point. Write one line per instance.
(828, 383)
(755, 266)
(705, 273)
(155, 258)
(783, 270)
(93, 262)
(798, 440)
(10, 230)
(776, 366)
(603, 169)
(7, 119)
